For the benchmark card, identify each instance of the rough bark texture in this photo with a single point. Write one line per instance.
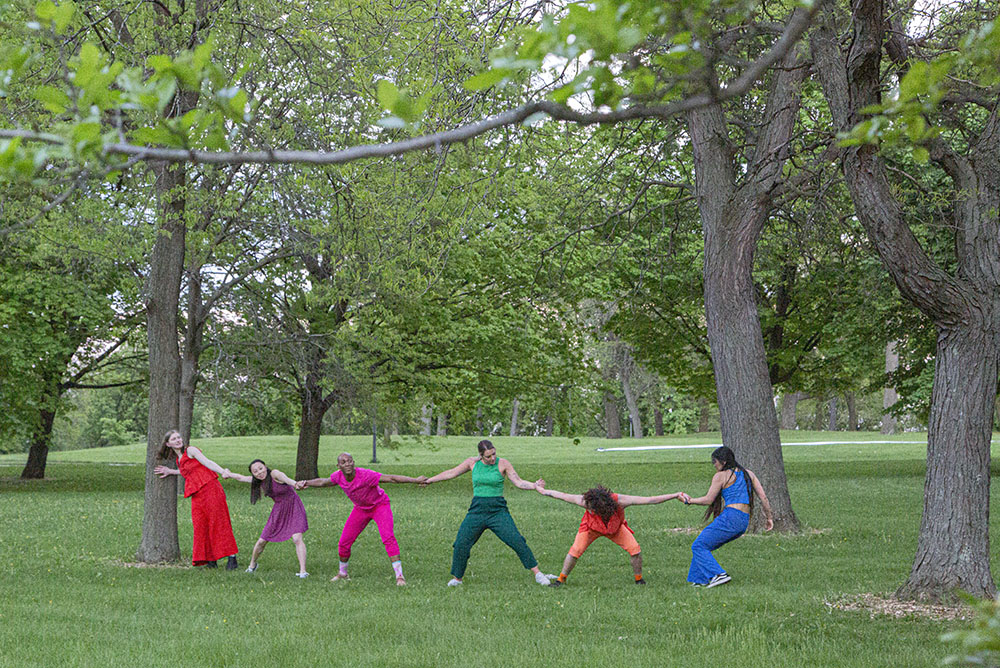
(733, 211)
(38, 453)
(513, 417)
(550, 425)
(852, 411)
(831, 408)
(953, 544)
(658, 421)
(631, 402)
(612, 422)
(159, 522)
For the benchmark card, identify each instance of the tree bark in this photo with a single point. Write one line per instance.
(630, 399)
(442, 424)
(310, 429)
(612, 422)
(658, 421)
(703, 414)
(953, 544)
(889, 394)
(38, 453)
(425, 419)
(832, 413)
(733, 216)
(789, 402)
(159, 541)
(818, 415)
(550, 424)
(852, 412)
(513, 417)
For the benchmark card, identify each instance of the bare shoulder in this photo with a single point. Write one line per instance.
(192, 451)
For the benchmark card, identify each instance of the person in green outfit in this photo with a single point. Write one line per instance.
(488, 510)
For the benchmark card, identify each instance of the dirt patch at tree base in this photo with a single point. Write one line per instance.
(878, 605)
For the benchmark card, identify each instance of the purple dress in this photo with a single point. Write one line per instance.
(288, 515)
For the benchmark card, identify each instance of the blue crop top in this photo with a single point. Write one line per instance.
(737, 492)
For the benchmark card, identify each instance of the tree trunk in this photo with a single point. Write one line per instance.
(818, 415)
(612, 422)
(425, 419)
(159, 521)
(832, 412)
(889, 394)
(513, 417)
(658, 421)
(442, 425)
(734, 208)
(310, 429)
(953, 546)
(38, 453)
(703, 414)
(630, 399)
(550, 424)
(789, 402)
(852, 412)
(479, 421)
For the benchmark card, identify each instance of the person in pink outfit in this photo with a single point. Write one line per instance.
(370, 503)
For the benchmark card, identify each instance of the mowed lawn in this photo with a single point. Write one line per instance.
(69, 598)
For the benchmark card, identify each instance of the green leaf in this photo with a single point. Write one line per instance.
(64, 15)
(387, 93)
(52, 98)
(921, 155)
(915, 82)
(486, 79)
(45, 10)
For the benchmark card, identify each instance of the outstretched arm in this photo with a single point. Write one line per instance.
(713, 491)
(236, 476)
(759, 491)
(281, 477)
(205, 461)
(508, 470)
(315, 482)
(391, 477)
(575, 499)
(464, 467)
(626, 500)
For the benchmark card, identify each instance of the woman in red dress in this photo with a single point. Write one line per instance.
(213, 531)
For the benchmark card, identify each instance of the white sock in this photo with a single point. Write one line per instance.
(343, 568)
(397, 568)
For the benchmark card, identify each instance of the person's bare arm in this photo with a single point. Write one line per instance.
(627, 500)
(575, 499)
(713, 490)
(464, 467)
(508, 470)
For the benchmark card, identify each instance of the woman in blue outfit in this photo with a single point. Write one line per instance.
(730, 502)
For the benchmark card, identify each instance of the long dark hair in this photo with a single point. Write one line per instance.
(165, 450)
(600, 501)
(257, 483)
(485, 445)
(729, 463)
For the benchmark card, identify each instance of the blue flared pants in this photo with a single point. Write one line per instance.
(730, 524)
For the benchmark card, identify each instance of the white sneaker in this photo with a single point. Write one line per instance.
(721, 578)
(251, 569)
(454, 582)
(303, 574)
(543, 579)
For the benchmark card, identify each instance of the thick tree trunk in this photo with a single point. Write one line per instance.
(442, 424)
(38, 453)
(310, 429)
(789, 402)
(889, 394)
(953, 547)
(852, 412)
(831, 424)
(658, 421)
(612, 422)
(192, 355)
(513, 417)
(550, 425)
(159, 522)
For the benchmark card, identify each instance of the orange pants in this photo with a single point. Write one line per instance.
(624, 538)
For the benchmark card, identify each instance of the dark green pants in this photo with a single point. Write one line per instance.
(488, 512)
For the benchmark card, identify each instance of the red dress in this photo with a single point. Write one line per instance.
(213, 531)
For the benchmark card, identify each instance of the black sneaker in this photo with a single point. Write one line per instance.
(231, 564)
(556, 583)
(640, 581)
(721, 578)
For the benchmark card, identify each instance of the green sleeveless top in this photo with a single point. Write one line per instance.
(487, 480)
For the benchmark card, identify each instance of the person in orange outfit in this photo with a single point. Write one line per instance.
(213, 530)
(604, 516)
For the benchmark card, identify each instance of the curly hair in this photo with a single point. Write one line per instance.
(599, 500)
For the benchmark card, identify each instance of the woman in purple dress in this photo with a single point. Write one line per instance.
(288, 516)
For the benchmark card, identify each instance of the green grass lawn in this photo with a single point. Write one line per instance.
(67, 599)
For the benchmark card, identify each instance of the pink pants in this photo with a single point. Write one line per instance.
(359, 519)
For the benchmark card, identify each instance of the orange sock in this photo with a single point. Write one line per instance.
(562, 577)
(638, 577)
